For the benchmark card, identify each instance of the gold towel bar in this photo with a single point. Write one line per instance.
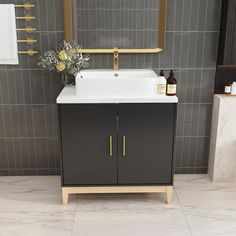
(30, 52)
(26, 17)
(26, 5)
(28, 41)
(27, 29)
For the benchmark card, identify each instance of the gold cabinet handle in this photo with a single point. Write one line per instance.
(124, 146)
(110, 146)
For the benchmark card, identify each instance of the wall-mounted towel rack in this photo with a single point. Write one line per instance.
(27, 29)
(28, 41)
(27, 17)
(29, 52)
(26, 5)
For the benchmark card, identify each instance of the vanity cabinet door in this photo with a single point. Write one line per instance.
(145, 142)
(89, 144)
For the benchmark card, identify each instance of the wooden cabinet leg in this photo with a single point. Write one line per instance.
(169, 194)
(65, 196)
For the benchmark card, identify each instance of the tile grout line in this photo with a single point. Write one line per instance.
(180, 62)
(2, 169)
(25, 120)
(42, 77)
(5, 132)
(76, 211)
(199, 4)
(201, 79)
(189, 145)
(27, 137)
(18, 124)
(52, 110)
(33, 128)
(173, 53)
(11, 120)
(185, 217)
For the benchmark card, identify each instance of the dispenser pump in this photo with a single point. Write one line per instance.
(161, 83)
(161, 73)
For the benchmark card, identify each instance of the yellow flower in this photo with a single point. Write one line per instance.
(61, 66)
(62, 55)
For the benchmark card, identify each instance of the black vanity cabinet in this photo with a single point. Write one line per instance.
(145, 141)
(117, 144)
(88, 134)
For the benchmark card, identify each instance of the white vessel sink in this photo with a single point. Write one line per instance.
(115, 84)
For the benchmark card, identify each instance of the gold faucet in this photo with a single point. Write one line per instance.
(116, 59)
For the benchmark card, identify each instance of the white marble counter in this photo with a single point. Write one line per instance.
(222, 159)
(68, 95)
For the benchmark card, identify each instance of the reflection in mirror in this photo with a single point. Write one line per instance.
(116, 23)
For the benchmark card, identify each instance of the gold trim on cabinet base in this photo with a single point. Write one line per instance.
(117, 189)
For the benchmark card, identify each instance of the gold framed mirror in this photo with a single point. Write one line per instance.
(70, 28)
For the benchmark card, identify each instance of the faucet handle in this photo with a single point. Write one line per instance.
(116, 58)
(116, 52)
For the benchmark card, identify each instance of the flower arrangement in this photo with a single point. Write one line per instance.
(67, 60)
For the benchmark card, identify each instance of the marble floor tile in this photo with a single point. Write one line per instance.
(30, 186)
(129, 214)
(138, 223)
(199, 192)
(33, 193)
(125, 202)
(213, 222)
(31, 206)
(45, 223)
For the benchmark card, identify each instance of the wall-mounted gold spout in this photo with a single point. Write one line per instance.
(116, 58)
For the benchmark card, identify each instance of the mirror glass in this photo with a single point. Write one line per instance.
(126, 24)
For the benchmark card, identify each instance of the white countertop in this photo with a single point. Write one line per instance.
(68, 95)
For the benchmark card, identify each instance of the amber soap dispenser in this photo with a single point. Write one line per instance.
(171, 84)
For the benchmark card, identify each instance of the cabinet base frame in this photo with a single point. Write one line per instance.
(117, 189)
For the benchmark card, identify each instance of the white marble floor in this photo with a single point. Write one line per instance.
(31, 206)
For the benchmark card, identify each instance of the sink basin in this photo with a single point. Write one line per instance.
(115, 84)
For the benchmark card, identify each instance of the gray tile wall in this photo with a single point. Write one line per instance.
(29, 142)
(120, 23)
